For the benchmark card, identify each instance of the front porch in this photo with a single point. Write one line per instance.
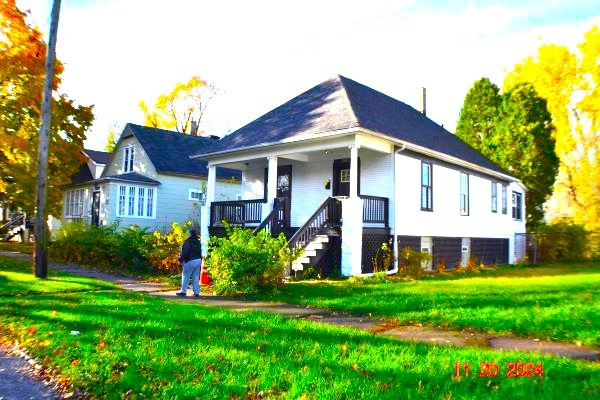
(335, 191)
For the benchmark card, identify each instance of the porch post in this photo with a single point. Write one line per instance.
(271, 186)
(352, 226)
(205, 211)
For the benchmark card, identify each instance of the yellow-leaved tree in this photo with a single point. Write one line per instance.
(177, 109)
(570, 82)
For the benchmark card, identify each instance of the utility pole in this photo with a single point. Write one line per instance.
(40, 255)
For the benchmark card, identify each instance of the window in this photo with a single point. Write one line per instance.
(426, 187)
(517, 206)
(74, 203)
(494, 197)
(464, 194)
(504, 199)
(197, 195)
(136, 202)
(345, 175)
(128, 156)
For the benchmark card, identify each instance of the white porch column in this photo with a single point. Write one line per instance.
(205, 211)
(271, 185)
(352, 226)
(354, 171)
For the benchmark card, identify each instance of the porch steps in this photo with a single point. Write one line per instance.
(318, 243)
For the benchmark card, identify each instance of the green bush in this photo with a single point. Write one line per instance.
(411, 261)
(561, 241)
(243, 262)
(133, 249)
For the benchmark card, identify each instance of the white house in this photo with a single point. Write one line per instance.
(343, 168)
(148, 181)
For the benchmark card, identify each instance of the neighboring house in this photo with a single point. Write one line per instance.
(148, 181)
(347, 168)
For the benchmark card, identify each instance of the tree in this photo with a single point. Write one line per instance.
(22, 57)
(477, 121)
(514, 130)
(111, 141)
(177, 110)
(523, 145)
(571, 84)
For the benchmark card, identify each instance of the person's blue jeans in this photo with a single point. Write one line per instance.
(191, 269)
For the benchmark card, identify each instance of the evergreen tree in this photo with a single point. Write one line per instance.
(478, 115)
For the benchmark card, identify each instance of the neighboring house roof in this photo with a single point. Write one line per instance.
(130, 177)
(341, 103)
(99, 157)
(83, 175)
(169, 151)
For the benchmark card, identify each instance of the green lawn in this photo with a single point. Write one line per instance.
(557, 302)
(26, 248)
(151, 348)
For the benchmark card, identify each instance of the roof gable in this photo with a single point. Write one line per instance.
(169, 151)
(99, 157)
(341, 103)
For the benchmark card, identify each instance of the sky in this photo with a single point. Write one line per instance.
(263, 53)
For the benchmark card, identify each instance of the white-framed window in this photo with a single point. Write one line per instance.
(426, 187)
(128, 158)
(517, 206)
(74, 203)
(464, 194)
(494, 197)
(345, 175)
(136, 202)
(504, 199)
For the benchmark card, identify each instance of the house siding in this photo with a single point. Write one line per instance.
(141, 161)
(446, 220)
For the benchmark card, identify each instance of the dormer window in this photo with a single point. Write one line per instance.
(128, 156)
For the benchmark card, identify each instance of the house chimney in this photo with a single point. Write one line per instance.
(194, 128)
(422, 100)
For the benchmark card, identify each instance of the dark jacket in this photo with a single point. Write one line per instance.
(191, 250)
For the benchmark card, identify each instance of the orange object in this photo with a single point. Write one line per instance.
(204, 277)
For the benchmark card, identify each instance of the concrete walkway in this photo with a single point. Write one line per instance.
(18, 381)
(377, 326)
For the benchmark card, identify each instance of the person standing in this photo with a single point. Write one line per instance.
(191, 258)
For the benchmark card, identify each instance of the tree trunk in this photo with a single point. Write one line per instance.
(40, 255)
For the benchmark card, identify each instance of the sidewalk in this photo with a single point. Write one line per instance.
(377, 326)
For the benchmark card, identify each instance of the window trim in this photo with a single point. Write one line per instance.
(201, 199)
(128, 158)
(494, 197)
(124, 194)
(504, 199)
(429, 188)
(466, 210)
(517, 205)
(72, 202)
(345, 171)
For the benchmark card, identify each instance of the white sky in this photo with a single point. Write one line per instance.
(262, 53)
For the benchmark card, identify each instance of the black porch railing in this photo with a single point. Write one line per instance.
(327, 215)
(275, 221)
(239, 212)
(375, 210)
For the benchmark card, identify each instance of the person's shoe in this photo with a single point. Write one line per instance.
(196, 294)
(181, 294)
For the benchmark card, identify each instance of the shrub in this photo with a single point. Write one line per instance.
(384, 258)
(243, 262)
(132, 249)
(561, 241)
(411, 262)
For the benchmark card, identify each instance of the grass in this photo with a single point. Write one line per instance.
(555, 302)
(19, 247)
(137, 346)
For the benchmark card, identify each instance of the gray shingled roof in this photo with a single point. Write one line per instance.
(99, 157)
(341, 103)
(131, 177)
(169, 151)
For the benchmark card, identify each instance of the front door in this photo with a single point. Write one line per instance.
(341, 177)
(96, 208)
(284, 189)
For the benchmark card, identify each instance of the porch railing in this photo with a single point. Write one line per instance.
(327, 215)
(375, 210)
(239, 212)
(275, 221)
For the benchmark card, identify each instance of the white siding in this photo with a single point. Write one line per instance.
(141, 161)
(377, 178)
(445, 219)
